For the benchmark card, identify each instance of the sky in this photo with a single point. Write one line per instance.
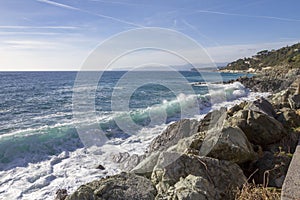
(43, 35)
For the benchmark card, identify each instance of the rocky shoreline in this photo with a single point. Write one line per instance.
(213, 158)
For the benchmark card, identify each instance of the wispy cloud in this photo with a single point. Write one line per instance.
(251, 16)
(117, 2)
(88, 12)
(198, 32)
(30, 44)
(58, 4)
(28, 33)
(39, 27)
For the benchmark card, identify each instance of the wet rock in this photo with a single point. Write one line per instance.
(61, 194)
(118, 187)
(100, 167)
(228, 143)
(222, 175)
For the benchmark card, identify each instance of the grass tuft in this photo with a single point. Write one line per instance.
(257, 192)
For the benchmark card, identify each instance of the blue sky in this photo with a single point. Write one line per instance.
(60, 34)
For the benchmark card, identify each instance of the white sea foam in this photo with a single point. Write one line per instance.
(70, 169)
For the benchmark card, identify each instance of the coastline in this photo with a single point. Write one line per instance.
(185, 146)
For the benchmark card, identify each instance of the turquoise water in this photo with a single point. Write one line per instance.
(36, 115)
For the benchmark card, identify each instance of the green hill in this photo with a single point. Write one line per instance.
(287, 56)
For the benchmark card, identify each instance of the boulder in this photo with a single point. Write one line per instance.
(194, 187)
(127, 162)
(210, 120)
(261, 105)
(120, 157)
(294, 101)
(131, 162)
(259, 127)
(236, 108)
(228, 143)
(280, 99)
(223, 176)
(190, 144)
(118, 187)
(146, 166)
(173, 133)
(61, 194)
(272, 169)
(289, 118)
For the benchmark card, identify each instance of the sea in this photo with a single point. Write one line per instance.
(43, 147)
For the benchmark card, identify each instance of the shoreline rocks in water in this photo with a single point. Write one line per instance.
(213, 158)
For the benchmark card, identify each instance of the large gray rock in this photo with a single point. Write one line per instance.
(289, 118)
(195, 187)
(212, 119)
(131, 162)
(173, 133)
(126, 161)
(272, 169)
(146, 166)
(118, 187)
(280, 99)
(190, 144)
(259, 127)
(261, 105)
(228, 143)
(224, 176)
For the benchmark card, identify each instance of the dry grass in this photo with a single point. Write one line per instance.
(257, 192)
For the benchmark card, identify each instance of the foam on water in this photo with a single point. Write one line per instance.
(54, 157)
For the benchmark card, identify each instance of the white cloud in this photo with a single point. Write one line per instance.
(39, 27)
(251, 16)
(58, 4)
(88, 12)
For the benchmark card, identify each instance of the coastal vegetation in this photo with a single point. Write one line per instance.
(288, 57)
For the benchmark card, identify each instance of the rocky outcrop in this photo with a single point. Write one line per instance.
(209, 159)
(272, 168)
(261, 105)
(288, 117)
(228, 143)
(212, 118)
(275, 80)
(259, 128)
(174, 132)
(224, 176)
(194, 187)
(126, 161)
(118, 187)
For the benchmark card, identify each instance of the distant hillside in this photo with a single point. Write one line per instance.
(287, 56)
